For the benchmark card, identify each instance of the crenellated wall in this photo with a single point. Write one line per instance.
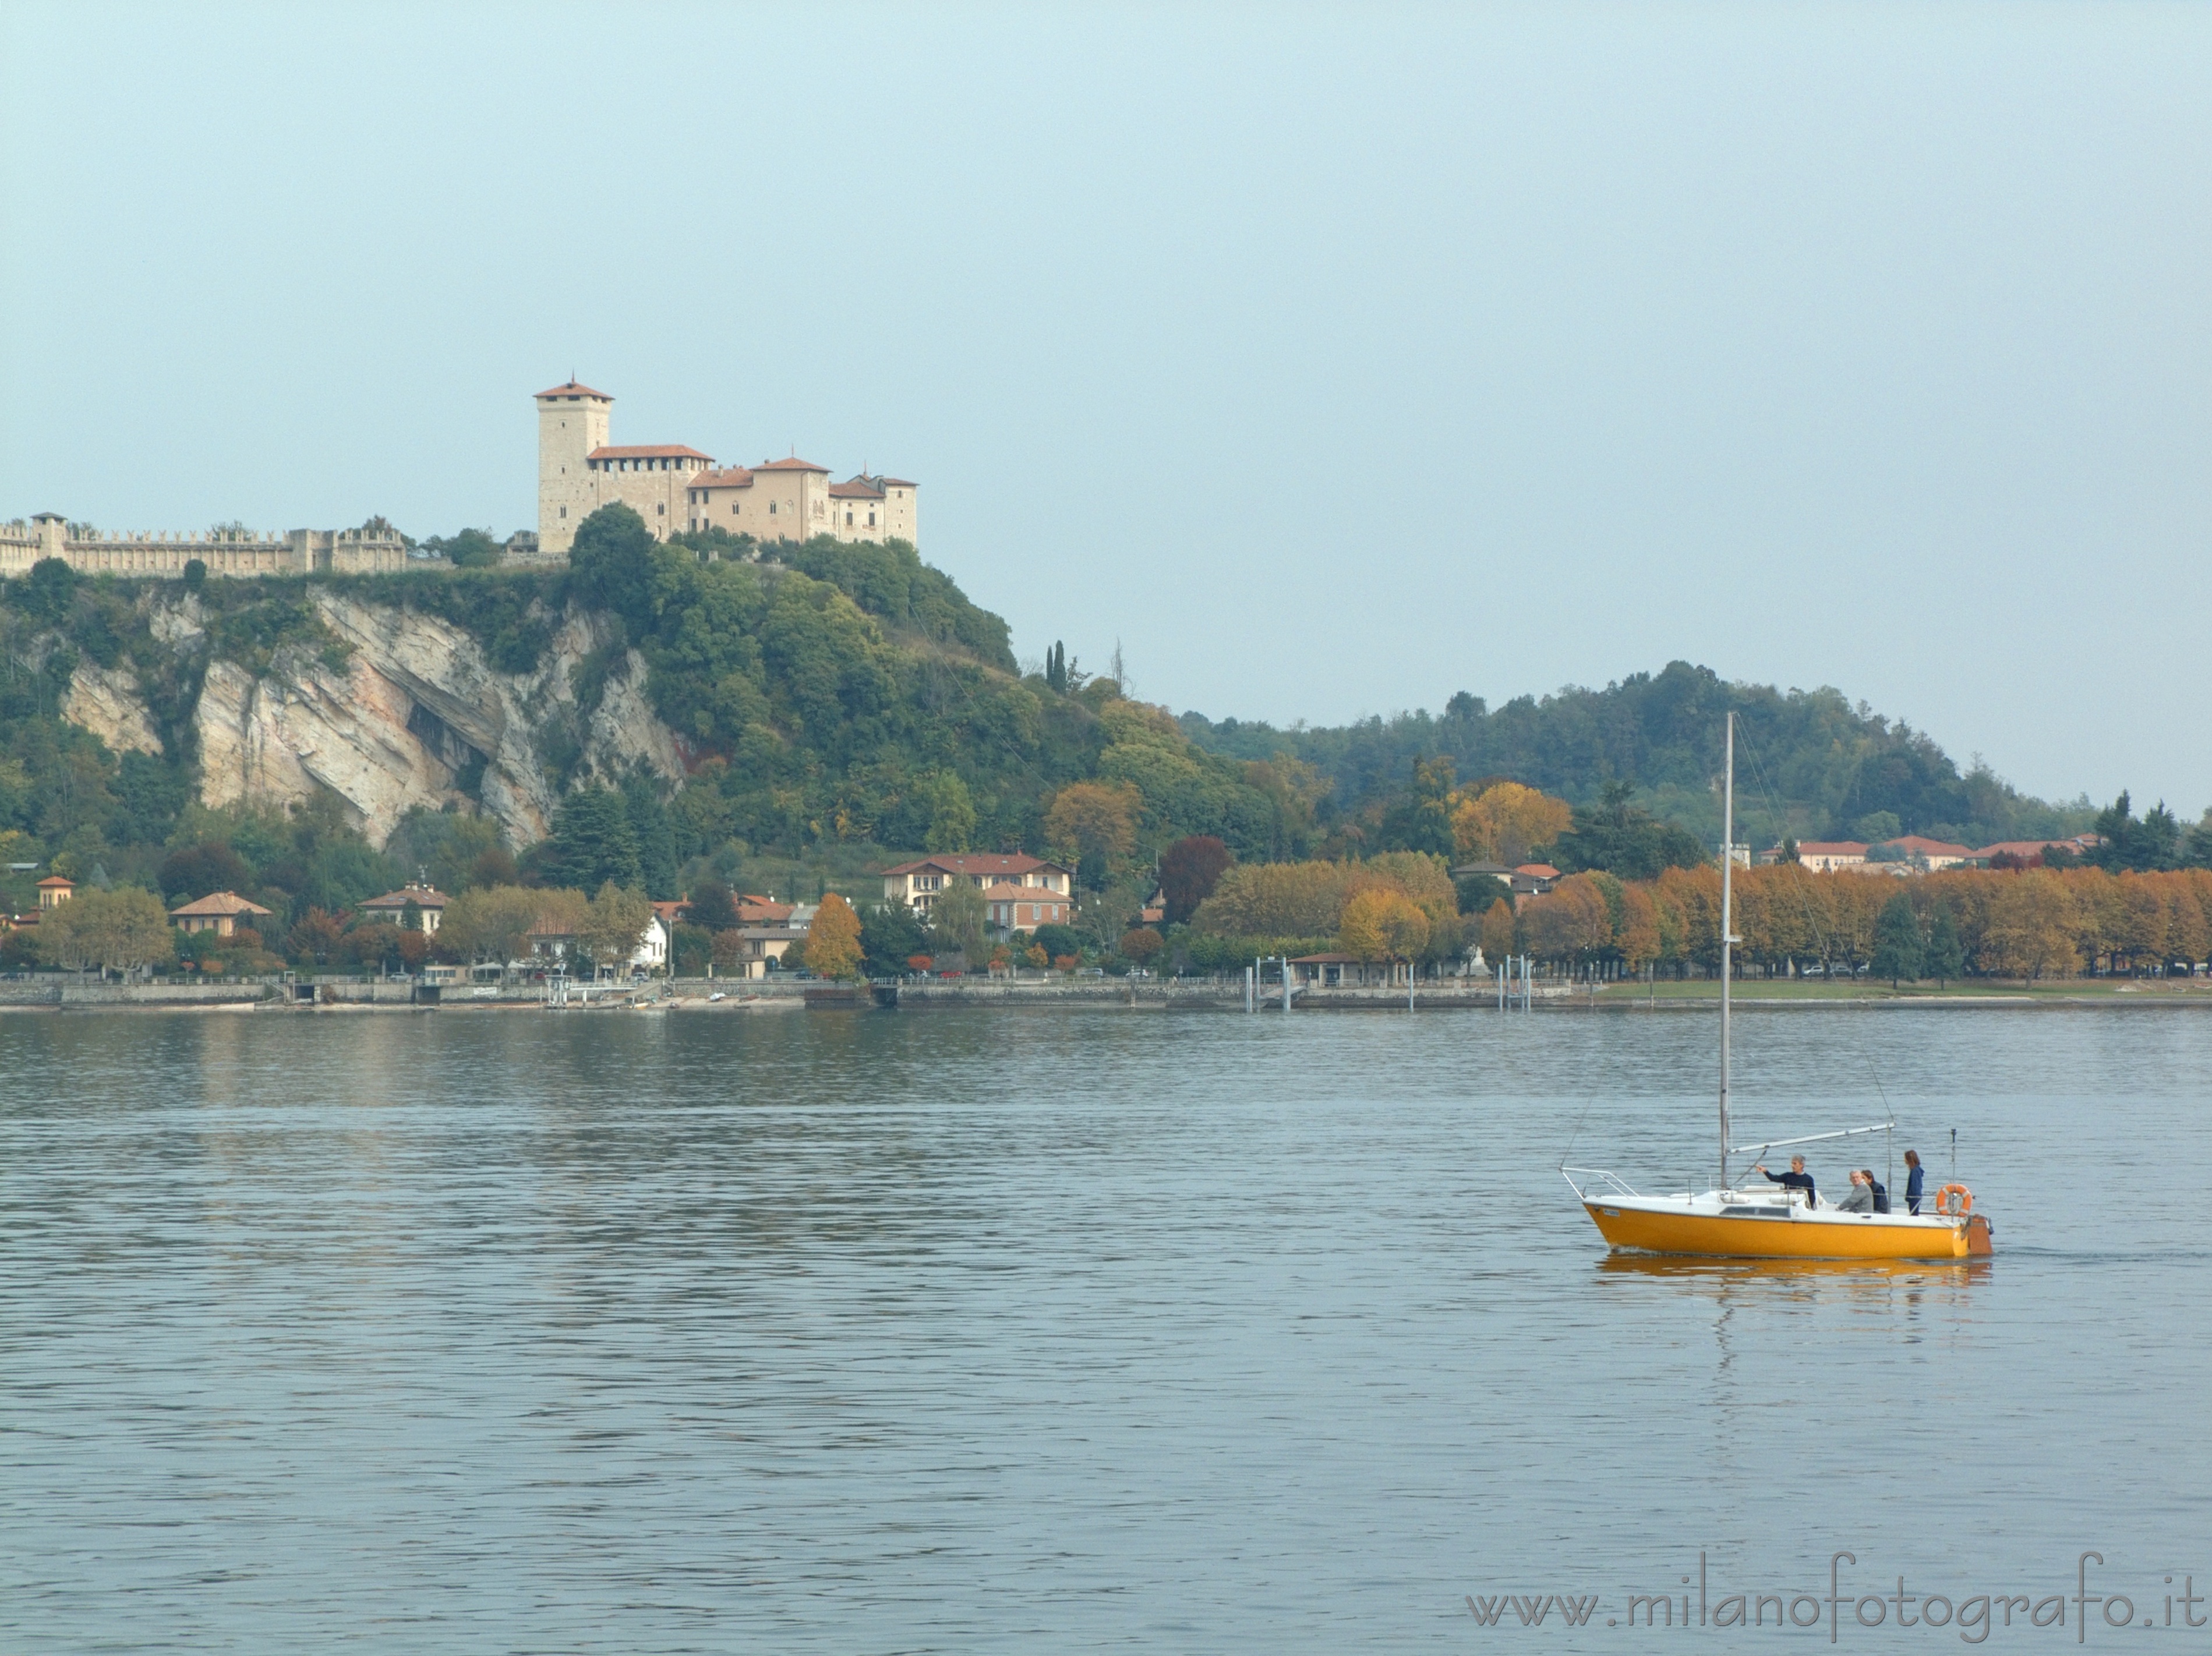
(161, 555)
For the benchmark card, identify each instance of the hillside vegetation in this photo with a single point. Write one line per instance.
(1810, 763)
(834, 705)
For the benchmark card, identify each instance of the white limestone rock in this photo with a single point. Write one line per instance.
(108, 702)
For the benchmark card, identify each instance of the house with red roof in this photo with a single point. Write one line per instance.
(1011, 880)
(426, 900)
(220, 913)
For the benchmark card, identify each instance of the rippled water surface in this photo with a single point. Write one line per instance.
(1024, 1330)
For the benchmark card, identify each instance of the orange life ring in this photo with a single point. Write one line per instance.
(1945, 1193)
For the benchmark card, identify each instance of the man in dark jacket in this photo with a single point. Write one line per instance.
(1795, 1178)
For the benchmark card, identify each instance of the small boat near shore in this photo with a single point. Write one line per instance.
(1768, 1221)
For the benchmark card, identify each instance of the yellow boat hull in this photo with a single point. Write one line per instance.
(1713, 1236)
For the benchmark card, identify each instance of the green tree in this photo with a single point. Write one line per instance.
(655, 833)
(47, 591)
(1945, 958)
(612, 565)
(613, 924)
(123, 928)
(951, 813)
(593, 842)
(1617, 839)
(712, 906)
(1899, 947)
(491, 925)
(1421, 818)
(889, 937)
(957, 918)
(195, 575)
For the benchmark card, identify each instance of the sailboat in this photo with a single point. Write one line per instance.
(1767, 1221)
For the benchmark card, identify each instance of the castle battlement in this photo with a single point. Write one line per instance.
(163, 554)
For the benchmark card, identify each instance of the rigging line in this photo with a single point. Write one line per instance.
(1800, 891)
(1578, 1132)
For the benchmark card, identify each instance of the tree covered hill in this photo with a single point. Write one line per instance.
(846, 702)
(1808, 763)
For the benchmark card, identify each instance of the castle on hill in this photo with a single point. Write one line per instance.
(676, 488)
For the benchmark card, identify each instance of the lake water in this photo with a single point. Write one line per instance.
(1027, 1330)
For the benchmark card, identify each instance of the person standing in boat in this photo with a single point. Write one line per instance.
(1913, 1182)
(1795, 1178)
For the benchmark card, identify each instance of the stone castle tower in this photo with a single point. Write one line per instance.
(572, 421)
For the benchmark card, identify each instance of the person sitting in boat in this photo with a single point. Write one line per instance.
(1860, 1197)
(1880, 1190)
(1913, 1182)
(1795, 1178)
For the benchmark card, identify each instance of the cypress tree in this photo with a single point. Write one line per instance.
(1945, 960)
(1897, 945)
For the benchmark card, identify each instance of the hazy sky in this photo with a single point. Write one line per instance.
(1333, 360)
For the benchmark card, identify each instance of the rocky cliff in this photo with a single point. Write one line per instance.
(410, 713)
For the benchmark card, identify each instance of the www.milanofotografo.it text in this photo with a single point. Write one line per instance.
(1853, 1601)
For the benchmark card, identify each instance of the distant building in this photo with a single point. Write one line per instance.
(54, 891)
(917, 883)
(1024, 907)
(219, 913)
(1930, 854)
(1826, 856)
(428, 902)
(676, 488)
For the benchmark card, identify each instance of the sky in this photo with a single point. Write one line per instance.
(1330, 359)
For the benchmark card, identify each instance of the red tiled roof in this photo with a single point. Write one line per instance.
(55, 881)
(422, 896)
(726, 478)
(1006, 892)
(760, 908)
(2024, 848)
(995, 861)
(221, 903)
(793, 464)
(858, 489)
(1538, 871)
(647, 451)
(572, 389)
(1324, 960)
(1830, 848)
(898, 482)
(1926, 848)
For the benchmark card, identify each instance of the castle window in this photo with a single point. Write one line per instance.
(660, 510)
(564, 511)
(871, 520)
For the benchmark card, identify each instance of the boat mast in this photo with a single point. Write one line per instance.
(1727, 930)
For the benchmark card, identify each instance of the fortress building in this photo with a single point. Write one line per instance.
(302, 552)
(675, 488)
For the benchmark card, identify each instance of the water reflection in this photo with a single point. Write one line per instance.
(1014, 1330)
